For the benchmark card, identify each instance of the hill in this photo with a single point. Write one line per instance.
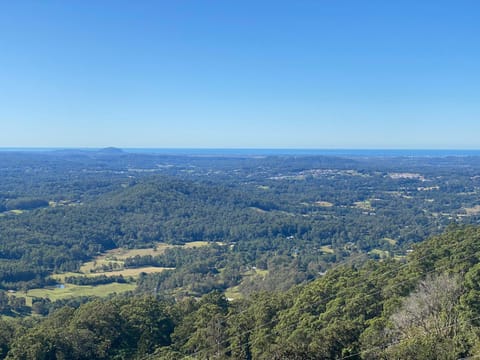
(270, 222)
(423, 308)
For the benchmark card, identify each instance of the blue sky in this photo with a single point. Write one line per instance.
(262, 74)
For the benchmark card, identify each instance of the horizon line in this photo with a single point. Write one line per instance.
(238, 148)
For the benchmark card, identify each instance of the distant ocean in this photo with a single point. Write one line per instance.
(306, 152)
(272, 152)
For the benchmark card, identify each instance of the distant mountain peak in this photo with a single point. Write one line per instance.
(111, 150)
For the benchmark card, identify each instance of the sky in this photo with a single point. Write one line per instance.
(323, 74)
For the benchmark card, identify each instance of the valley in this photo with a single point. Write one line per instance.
(230, 245)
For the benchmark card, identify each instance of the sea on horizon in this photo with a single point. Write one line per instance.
(267, 151)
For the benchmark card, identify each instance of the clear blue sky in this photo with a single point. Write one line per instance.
(263, 74)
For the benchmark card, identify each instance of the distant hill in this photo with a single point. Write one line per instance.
(111, 151)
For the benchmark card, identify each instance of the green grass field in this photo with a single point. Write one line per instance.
(71, 291)
(115, 260)
(116, 257)
(193, 244)
(390, 241)
(382, 253)
(135, 272)
(327, 249)
(233, 293)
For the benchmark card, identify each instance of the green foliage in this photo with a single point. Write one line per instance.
(269, 211)
(276, 226)
(25, 204)
(374, 310)
(115, 329)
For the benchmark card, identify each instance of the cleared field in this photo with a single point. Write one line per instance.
(125, 273)
(115, 258)
(233, 293)
(473, 210)
(382, 253)
(193, 244)
(261, 211)
(254, 274)
(71, 291)
(323, 204)
(327, 249)
(122, 254)
(260, 272)
(364, 205)
(96, 265)
(390, 241)
(133, 272)
(110, 263)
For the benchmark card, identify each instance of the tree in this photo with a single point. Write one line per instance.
(429, 324)
(147, 324)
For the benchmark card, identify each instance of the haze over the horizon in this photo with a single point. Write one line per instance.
(247, 74)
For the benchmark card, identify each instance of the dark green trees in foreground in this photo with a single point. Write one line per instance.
(425, 308)
(115, 329)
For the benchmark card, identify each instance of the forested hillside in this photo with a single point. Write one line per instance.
(292, 217)
(425, 307)
(112, 255)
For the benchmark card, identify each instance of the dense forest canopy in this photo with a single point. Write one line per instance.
(296, 214)
(423, 308)
(300, 256)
